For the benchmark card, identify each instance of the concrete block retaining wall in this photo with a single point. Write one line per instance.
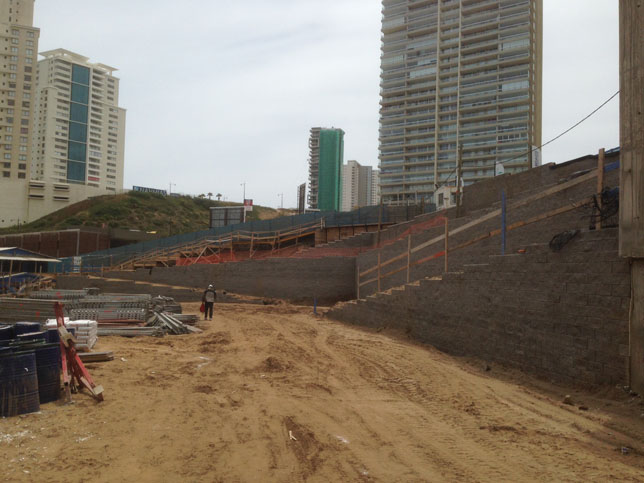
(560, 315)
(295, 279)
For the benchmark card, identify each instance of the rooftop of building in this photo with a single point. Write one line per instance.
(74, 57)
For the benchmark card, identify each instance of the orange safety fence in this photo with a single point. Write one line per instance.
(303, 251)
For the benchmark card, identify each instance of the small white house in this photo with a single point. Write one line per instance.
(445, 197)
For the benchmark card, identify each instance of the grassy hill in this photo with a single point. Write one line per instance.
(138, 211)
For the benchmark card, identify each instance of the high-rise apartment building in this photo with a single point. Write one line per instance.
(457, 73)
(80, 129)
(19, 56)
(358, 186)
(326, 154)
(375, 187)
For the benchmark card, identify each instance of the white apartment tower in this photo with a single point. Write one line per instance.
(17, 89)
(358, 187)
(80, 128)
(457, 73)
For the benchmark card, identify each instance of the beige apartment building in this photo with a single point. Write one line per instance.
(80, 129)
(359, 186)
(457, 73)
(62, 133)
(18, 71)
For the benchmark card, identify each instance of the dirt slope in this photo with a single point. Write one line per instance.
(360, 406)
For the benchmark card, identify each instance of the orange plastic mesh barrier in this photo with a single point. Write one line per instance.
(300, 251)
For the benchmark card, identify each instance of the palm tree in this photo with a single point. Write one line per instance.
(209, 196)
(219, 195)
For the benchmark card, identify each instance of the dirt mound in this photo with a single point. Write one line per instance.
(273, 364)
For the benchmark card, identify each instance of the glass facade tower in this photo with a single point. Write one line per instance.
(326, 155)
(457, 73)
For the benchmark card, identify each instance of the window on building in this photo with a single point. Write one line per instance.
(22, 175)
(22, 166)
(6, 174)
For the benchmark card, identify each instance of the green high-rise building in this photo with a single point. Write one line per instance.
(326, 156)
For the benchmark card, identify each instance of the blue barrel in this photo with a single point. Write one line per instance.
(48, 369)
(26, 327)
(52, 336)
(33, 336)
(18, 384)
(6, 332)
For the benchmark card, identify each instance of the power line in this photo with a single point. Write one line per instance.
(548, 142)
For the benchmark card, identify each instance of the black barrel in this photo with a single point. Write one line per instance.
(26, 328)
(48, 369)
(33, 336)
(6, 332)
(52, 336)
(18, 384)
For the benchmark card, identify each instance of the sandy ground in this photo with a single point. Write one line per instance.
(275, 394)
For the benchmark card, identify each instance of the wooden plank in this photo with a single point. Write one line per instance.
(636, 327)
(446, 244)
(379, 255)
(631, 193)
(600, 187)
(357, 279)
(384, 264)
(367, 282)
(408, 256)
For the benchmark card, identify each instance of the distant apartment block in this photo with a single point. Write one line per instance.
(20, 39)
(457, 73)
(301, 198)
(359, 186)
(375, 187)
(80, 128)
(61, 131)
(326, 154)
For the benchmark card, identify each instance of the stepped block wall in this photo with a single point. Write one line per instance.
(540, 232)
(560, 315)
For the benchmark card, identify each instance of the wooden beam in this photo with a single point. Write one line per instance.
(631, 193)
(600, 187)
(446, 244)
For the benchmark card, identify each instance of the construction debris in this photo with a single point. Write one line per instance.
(168, 323)
(85, 332)
(96, 356)
(131, 331)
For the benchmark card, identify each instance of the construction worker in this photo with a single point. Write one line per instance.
(208, 299)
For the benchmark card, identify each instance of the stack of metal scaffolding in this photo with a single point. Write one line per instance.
(25, 310)
(62, 295)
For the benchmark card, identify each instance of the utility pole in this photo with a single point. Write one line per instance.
(171, 185)
(244, 195)
(282, 203)
(459, 163)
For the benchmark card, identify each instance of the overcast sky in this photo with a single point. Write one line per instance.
(220, 92)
